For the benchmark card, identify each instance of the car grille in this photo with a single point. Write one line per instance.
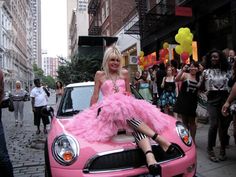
(127, 159)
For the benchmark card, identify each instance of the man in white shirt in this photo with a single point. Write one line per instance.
(39, 100)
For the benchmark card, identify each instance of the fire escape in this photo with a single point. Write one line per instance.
(94, 26)
(154, 20)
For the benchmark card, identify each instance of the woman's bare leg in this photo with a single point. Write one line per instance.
(144, 144)
(145, 129)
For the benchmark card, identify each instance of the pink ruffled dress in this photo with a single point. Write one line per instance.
(103, 120)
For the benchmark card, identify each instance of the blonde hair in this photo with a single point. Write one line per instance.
(111, 52)
(18, 82)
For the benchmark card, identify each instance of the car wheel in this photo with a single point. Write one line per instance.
(47, 163)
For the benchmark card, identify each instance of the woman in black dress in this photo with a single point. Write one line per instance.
(186, 103)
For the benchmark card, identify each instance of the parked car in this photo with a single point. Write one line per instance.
(68, 155)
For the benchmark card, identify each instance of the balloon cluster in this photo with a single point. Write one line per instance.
(185, 39)
(146, 62)
(164, 52)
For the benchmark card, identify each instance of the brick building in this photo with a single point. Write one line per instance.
(106, 17)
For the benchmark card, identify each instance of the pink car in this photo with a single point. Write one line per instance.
(68, 155)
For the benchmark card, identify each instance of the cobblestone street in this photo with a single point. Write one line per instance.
(24, 146)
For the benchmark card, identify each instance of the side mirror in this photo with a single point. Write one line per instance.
(48, 111)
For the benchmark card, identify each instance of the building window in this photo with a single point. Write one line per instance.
(107, 8)
(103, 14)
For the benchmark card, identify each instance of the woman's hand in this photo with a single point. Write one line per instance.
(185, 68)
(225, 109)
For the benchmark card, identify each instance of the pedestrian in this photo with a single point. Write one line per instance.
(120, 110)
(39, 98)
(19, 96)
(169, 94)
(160, 74)
(144, 86)
(5, 162)
(186, 103)
(215, 79)
(59, 91)
(226, 108)
(154, 85)
(136, 79)
(231, 58)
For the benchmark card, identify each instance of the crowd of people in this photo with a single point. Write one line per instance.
(175, 90)
(172, 88)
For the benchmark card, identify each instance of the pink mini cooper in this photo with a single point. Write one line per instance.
(68, 155)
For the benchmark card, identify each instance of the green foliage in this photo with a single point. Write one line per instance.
(38, 72)
(48, 80)
(81, 68)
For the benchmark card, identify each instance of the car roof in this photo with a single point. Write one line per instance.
(81, 84)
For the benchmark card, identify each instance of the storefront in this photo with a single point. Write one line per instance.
(213, 24)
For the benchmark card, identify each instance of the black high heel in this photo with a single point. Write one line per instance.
(154, 169)
(170, 149)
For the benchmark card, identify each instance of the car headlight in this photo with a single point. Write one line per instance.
(184, 133)
(65, 149)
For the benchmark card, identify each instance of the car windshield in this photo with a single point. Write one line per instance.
(76, 99)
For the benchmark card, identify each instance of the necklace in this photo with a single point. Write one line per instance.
(115, 86)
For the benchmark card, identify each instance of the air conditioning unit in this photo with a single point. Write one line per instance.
(133, 59)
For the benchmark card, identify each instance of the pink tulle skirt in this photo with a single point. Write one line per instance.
(103, 120)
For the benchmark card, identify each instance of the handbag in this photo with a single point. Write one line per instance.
(11, 105)
(5, 102)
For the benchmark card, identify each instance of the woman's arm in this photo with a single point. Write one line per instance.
(229, 100)
(97, 86)
(176, 89)
(125, 73)
(181, 76)
(163, 82)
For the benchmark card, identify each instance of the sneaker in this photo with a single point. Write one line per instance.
(45, 131)
(222, 156)
(16, 123)
(212, 157)
(37, 132)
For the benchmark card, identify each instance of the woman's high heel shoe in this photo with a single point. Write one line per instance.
(170, 149)
(154, 169)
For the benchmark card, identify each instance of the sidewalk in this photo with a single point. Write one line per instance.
(206, 168)
(26, 149)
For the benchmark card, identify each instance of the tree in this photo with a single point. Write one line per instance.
(81, 68)
(38, 73)
(50, 81)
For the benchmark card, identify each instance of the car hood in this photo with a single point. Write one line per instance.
(117, 143)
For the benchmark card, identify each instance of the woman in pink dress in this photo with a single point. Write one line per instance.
(119, 110)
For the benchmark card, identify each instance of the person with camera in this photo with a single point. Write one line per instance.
(186, 103)
(215, 79)
(231, 58)
(39, 96)
(5, 162)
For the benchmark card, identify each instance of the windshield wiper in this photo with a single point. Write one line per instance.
(70, 113)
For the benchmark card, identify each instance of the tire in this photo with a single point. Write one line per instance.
(47, 163)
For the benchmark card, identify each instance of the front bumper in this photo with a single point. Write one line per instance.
(185, 167)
